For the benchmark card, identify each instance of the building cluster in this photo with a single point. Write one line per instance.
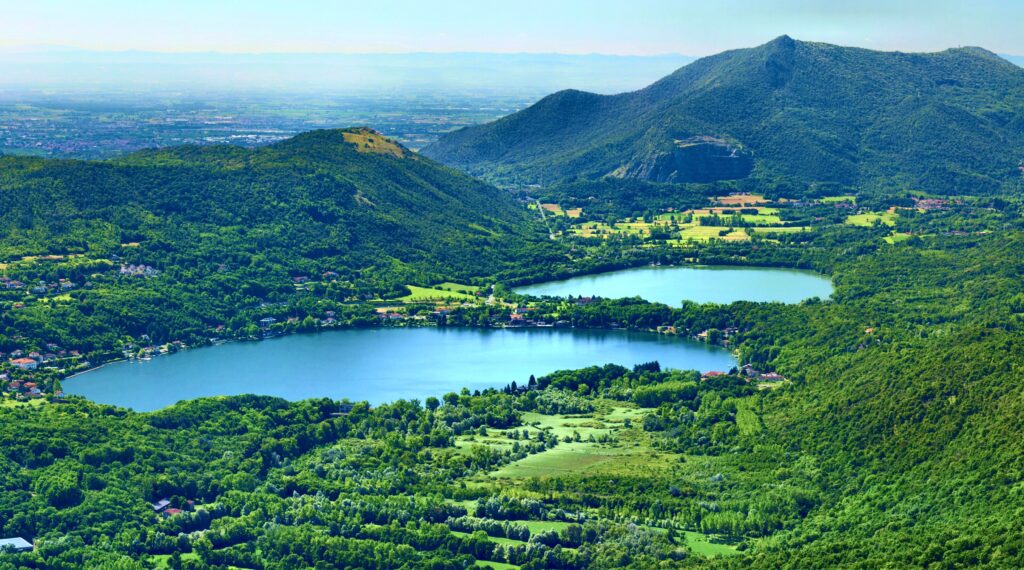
(931, 203)
(749, 373)
(22, 360)
(148, 350)
(722, 336)
(11, 284)
(164, 509)
(19, 376)
(139, 271)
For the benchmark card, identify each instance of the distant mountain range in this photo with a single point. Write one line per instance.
(42, 67)
(788, 113)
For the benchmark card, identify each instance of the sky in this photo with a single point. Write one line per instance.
(633, 27)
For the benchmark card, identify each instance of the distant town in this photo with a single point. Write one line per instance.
(83, 125)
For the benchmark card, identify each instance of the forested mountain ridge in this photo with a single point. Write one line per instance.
(804, 113)
(329, 199)
(173, 243)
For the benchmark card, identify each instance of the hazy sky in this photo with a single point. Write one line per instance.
(567, 26)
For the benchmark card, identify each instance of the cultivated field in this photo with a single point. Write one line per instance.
(607, 442)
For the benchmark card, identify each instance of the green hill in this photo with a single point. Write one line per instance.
(324, 200)
(176, 242)
(787, 114)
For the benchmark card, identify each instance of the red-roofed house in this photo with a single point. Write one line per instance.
(25, 363)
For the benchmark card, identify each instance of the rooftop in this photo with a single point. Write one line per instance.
(16, 543)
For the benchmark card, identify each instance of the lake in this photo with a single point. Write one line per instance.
(380, 365)
(703, 284)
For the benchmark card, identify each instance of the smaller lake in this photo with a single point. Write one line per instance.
(381, 365)
(702, 284)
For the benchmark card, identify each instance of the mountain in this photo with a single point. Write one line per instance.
(323, 200)
(787, 113)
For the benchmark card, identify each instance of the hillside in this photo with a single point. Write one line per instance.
(787, 114)
(326, 200)
(179, 242)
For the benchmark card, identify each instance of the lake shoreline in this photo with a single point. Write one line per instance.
(384, 364)
(603, 272)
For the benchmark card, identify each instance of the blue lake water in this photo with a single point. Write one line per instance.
(703, 284)
(380, 365)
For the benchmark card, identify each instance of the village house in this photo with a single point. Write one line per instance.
(161, 505)
(16, 544)
(345, 407)
(266, 322)
(712, 374)
(24, 363)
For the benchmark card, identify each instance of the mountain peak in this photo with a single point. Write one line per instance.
(800, 109)
(783, 40)
(363, 140)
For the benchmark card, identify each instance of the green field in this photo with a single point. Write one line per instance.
(630, 452)
(837, 199)
(766, 220)
(700, 544)
(868, 219)
(161, 560)
(495, 565)
(442, 292)
(457, 287)
(782, 230)
(896, 237)
(12, 403)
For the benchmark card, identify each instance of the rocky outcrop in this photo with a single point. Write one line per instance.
(696, 159)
